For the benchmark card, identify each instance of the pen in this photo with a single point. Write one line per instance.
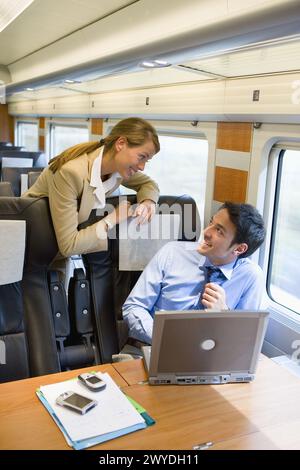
(203, 446)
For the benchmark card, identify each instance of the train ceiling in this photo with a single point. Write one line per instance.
(215, 40)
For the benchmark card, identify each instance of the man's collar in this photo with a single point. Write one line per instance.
(226, 269)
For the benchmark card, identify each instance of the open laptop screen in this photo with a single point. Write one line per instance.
(199, 343)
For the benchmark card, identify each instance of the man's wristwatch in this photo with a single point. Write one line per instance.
(108, 223)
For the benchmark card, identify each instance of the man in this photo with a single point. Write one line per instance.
(215, 274)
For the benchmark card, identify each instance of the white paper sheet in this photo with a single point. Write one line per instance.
(139, 243)
(12, 248)
(113, 411)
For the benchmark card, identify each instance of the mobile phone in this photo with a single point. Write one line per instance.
(92, 381)
(76, 402)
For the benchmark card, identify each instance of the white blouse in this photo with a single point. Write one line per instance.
(101, 187)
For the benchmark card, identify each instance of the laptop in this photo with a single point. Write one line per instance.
(200, 347)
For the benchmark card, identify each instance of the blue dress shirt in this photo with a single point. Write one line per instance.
(174, 280)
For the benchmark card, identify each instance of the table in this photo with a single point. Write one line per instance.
(264, 414)
(25, 422)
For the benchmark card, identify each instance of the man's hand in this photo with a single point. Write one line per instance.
(144, 211)
(214, 297)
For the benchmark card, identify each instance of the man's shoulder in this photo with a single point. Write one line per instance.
(179, 247)
(247, 265)
(178, 250)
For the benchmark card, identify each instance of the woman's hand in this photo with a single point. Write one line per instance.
(120, 213)
(144, 211)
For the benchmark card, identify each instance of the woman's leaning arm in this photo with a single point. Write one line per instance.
(145, 187)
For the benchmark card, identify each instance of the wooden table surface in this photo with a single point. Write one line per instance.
(264, 414)
(25, 422)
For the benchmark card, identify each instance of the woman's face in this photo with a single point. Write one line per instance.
(129, 160)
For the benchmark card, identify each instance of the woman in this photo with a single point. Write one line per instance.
(79, 179)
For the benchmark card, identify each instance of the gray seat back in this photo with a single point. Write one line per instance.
(14, 176)
(6, 189)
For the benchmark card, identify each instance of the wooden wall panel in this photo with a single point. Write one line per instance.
(97, 126)
(6, 125)
(42, 134)
(234, 136)
(230, 185)
(42, 143)
(11, 129)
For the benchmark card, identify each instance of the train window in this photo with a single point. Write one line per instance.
(284, 266)
(64, 136)
(180, 167)
(27, 135)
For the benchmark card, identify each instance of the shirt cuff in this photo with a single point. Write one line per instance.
(101, 230)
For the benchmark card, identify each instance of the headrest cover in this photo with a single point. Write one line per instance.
(15, 162)
(139, 243)
(12, 249)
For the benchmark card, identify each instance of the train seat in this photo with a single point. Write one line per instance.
(59, 336)
(13, 343)
(89, 328)
(37, 158)
(21, 178)
(110, 286)
(5, 144)
(40, 249)
(33, 176)
(6, 189)
(9, 146)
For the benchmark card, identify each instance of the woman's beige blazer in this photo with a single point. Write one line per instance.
(71, 200)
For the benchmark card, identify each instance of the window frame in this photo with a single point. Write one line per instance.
(185, 134)
(206, 130)
(51, 125)
(274, 226)
(279, 312)
(17, 132)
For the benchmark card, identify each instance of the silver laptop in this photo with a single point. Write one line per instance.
(199, 347)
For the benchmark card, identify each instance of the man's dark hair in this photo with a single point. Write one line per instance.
(249, 226)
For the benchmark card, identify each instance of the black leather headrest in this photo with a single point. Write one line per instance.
(184, 205)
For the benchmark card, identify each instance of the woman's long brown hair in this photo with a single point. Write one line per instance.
(136, 131)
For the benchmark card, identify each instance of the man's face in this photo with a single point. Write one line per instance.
(218, 236)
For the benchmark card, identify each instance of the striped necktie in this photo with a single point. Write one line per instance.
(214, 274)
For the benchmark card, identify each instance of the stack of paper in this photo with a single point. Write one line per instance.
(113, 416)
